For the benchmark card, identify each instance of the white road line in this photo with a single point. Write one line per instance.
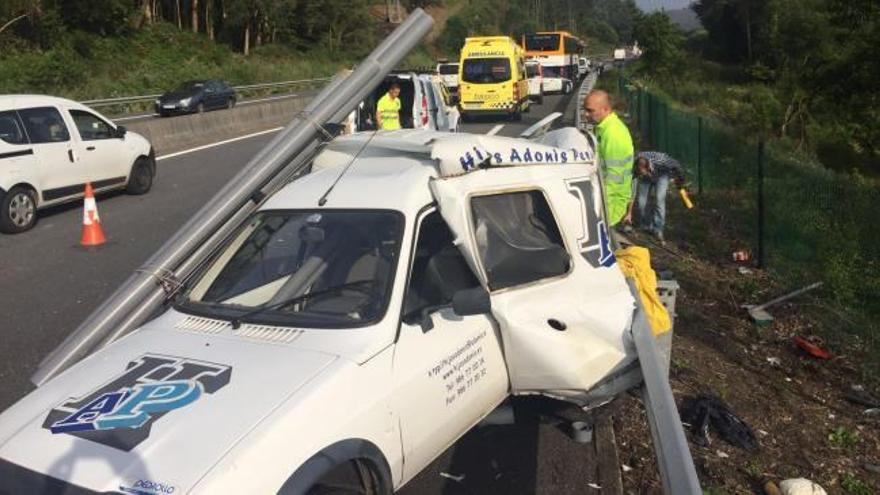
(218, 143)
(141, 116)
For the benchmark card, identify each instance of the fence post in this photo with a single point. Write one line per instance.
(666, 126)
(761, 204)
(651, 119)
(699, 155)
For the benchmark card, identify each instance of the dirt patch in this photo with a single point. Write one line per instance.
(808, 414)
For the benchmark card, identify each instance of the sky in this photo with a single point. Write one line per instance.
(650, 5)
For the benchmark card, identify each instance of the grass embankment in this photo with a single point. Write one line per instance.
(155, 60)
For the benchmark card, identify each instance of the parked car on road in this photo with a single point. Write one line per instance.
(196, 97)
(583, 66)
(535, 75)
(50, 147)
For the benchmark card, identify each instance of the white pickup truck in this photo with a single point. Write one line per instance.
(364, 318)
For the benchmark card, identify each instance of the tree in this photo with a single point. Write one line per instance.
(661, 43)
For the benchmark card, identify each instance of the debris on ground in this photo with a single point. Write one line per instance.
(800, 486)
(744, 270)
(707, 410)
(810, 348)
(454, 477)
(770, 488)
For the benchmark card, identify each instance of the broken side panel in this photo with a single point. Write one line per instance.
(536, 237)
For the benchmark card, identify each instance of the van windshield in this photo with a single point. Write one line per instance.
(542, 42)
(550, 72)
(448, 69)
(486, 70)
(331, 268)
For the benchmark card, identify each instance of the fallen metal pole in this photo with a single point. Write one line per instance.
(141, 295)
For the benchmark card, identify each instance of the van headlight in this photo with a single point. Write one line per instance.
(186, 101)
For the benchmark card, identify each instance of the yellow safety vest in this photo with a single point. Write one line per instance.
(389, 113)
(616, 163)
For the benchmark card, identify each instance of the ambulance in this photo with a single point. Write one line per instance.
(492, 78)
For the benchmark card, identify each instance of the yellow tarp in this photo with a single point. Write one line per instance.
(635, 263)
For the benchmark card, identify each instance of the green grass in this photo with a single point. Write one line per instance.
(151, 61)
(843, 438)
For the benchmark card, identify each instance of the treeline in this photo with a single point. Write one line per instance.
(806, 71)
(608, 21)
(335, 25)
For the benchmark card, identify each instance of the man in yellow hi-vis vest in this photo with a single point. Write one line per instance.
(388, 109)
(615, 154)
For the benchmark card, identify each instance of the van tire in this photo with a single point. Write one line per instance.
(355, 476)
(140, 180)
(18, 210)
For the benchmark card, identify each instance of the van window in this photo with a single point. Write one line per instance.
(44, 125)
(10, 129)
(448, 69)
(486, 70)
(91, 127)
(531, 70)
(438, 269)
(518, 240)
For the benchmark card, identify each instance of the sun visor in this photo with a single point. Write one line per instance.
(459, 154)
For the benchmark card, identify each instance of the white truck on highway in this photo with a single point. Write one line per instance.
(364, 318)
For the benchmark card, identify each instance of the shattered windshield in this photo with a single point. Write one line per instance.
(331, 268)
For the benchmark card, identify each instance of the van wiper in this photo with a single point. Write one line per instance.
(361, 285)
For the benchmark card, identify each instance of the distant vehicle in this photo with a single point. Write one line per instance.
(50, 147)
(492, 77)
(419, 104)
(534, 73)
(196, 97)
(619, 54)
(448, 72)
(558, 52)
(583, 66)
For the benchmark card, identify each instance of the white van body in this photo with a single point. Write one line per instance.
(51, 147)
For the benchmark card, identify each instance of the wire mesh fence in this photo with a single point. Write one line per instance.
(801, 221)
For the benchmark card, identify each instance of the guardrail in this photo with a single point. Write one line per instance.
(125, 103)
(674, 459)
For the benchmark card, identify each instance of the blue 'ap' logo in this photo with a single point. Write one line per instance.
(121, 413)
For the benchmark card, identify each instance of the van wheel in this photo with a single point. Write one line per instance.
(353, 477)
(516, 116)
(230, 104)
(541, 98)
(141, 178)
(18, 210)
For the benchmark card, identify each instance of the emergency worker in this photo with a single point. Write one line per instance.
(388, 109)
(615, 154)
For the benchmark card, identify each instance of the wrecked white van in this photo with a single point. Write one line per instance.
(366, 317)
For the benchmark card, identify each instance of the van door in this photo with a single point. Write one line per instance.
(60, 173)
(448, 369)
(101, 150)
(536, 238)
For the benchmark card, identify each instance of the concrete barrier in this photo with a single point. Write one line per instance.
(178, 133)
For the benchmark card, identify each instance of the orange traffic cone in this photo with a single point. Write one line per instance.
(92, 234)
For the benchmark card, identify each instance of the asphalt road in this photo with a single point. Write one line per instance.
(49, 284)
(127, 119)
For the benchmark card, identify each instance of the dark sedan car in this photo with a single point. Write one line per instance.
(196, 97)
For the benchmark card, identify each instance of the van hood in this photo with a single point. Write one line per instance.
(152, 412)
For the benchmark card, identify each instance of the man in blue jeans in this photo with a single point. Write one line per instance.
(652, 171)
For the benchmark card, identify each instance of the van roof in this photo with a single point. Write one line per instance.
(392, 169)
(12, 102)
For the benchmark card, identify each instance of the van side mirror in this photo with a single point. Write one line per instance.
(120, 131)
(473, 301)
